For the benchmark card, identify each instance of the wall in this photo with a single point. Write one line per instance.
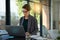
(45, 10)
(56, 14)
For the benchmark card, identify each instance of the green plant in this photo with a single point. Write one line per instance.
(58, 38)
(59, 32)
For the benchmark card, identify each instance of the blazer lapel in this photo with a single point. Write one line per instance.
(22, 21)
(29, 23)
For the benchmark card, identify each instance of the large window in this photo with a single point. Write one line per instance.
(2, 13)
(35, 6)
(56, 14)
(16, 11)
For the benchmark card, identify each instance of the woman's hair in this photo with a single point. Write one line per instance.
(27, 7)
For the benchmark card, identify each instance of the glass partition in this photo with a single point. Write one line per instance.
(16, 11)
(2, 13)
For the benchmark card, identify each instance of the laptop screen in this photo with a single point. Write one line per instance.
(15, 30)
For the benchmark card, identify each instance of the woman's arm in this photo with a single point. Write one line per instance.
(35, 27)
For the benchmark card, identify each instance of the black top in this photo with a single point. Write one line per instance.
(25, 24)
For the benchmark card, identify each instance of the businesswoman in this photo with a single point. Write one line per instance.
(28, 22)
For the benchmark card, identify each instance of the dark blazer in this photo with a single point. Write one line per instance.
(32, 25)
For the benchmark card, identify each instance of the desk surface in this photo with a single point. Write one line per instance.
(7, 37)
(17, 38)
(20, 38)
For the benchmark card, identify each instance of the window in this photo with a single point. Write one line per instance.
(16, 11)
(34, 12)
(2, 12)
(56, 14)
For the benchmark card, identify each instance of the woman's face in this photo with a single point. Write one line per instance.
(25, 12)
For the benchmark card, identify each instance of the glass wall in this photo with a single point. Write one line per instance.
(16, 11)
(35, 10)
(56, 14)
(2, 13)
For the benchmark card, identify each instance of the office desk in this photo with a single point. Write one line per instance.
(16, 38)
(20, 38)
(7, 37)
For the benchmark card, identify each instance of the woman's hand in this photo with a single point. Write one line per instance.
(27, 33)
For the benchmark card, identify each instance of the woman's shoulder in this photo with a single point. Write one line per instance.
(21, 18)
(32, 17)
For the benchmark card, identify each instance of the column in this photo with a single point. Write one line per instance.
(51, 14)
(7, 12)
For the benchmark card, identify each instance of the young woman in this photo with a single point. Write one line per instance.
(29, 22)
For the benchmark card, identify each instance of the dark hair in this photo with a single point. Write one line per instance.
(27, 7)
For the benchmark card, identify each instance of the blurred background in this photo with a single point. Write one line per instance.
(50, 10)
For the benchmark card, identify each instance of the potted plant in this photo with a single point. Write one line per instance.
(58, 38)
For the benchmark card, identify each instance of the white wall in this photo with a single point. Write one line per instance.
(55, 13)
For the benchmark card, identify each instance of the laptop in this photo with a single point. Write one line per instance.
(15, 30)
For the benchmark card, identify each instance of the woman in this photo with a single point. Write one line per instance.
(29, 22)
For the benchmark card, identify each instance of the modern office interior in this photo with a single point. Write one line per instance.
(47, 13)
